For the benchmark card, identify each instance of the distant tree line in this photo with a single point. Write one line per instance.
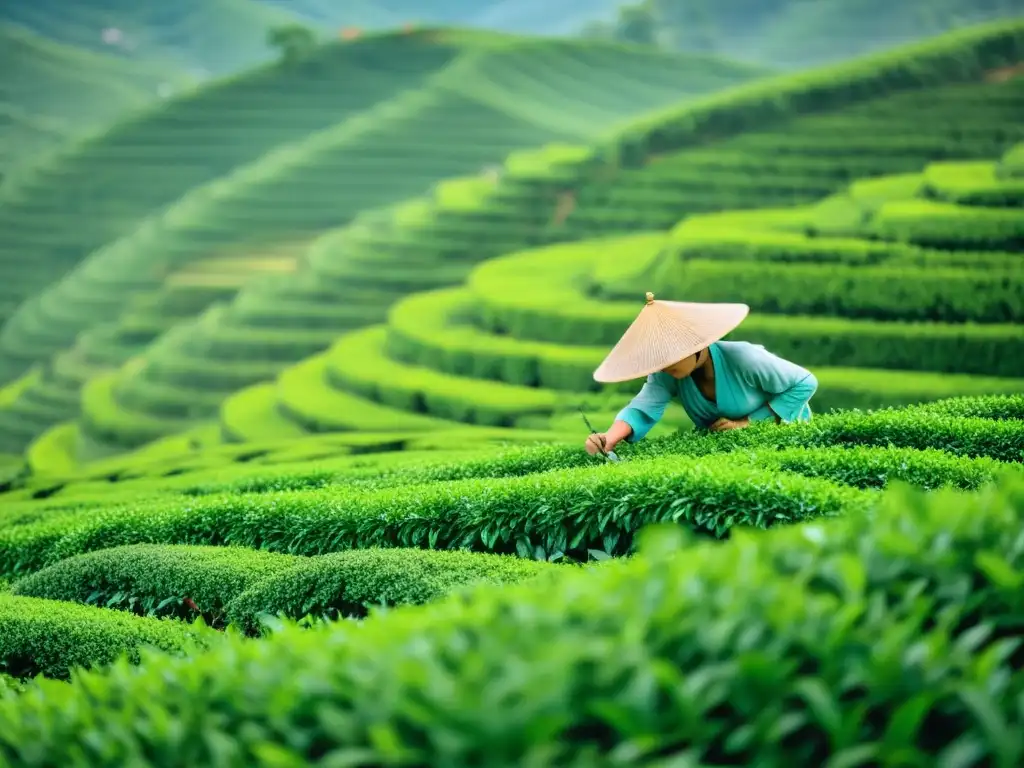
(693, 25)
(715, 26)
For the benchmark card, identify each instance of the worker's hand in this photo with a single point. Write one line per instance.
(598, 443)
(723, 425)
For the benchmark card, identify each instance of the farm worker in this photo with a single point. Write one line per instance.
(721, 384)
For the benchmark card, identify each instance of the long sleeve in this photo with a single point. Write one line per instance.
(646, 408)
(789, 386)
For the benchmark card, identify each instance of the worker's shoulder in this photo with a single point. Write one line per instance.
(741, 351)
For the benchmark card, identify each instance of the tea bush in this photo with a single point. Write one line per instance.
(895, 632)
(237, 585)
(51, 638)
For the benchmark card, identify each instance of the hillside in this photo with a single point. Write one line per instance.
(101, 188)
(556, 195)
(305, 479)
(492, 95)
(862, 528)
(900, 290)
(51, 92)
(204, 38)
(837, 29)
(795, 33)
(70, 68)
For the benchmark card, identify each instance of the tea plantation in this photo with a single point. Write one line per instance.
(193, 373)
(139, 260)
(292, 370)
(706, 651)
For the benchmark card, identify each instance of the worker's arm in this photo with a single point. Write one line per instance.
(644, 411)
(789, 387)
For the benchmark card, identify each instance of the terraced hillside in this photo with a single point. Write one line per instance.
(51, 92)
(901, 289)
(498, 94)
(99, 189)
(352, 276)
(833, 30)
(219, 37)
(480, 555)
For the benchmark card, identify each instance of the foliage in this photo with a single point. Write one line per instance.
(294, 42)
(239, 586)
(51, 638)
(779, 648)
(350, 584)
(552, 502)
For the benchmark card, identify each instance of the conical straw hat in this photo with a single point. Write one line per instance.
(664, 333)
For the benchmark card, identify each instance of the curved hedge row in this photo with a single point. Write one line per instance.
(865, 466)
(339, 458)
(322, 462)
(963, 56)
(234, 585)
(978, 184)
(706, 480)
(153, 580)
(538, 516)
(52, 638)
(954, 426)
(944, 225)
(349, 583)
(358, 363)
(774, 642)
(877, 293)
(435, 329)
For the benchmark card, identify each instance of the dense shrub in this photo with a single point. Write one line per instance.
(544, 516)
(234, 585)
(881, 293)
(689, 477)
(349, 583)
(878, 467)
(397, 469)
(51, 638)
(156, 580)
(827, 643)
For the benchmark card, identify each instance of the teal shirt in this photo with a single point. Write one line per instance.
(749, 381)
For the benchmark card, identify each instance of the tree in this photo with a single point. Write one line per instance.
(686, 24)
(636, 24)
(294, 41)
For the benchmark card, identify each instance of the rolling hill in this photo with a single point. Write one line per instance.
(497, 95)
(204, 38)
(659, 174)
(902, 289)
(831, 30)
(101, 188)
(73, 67)
(51, 92)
